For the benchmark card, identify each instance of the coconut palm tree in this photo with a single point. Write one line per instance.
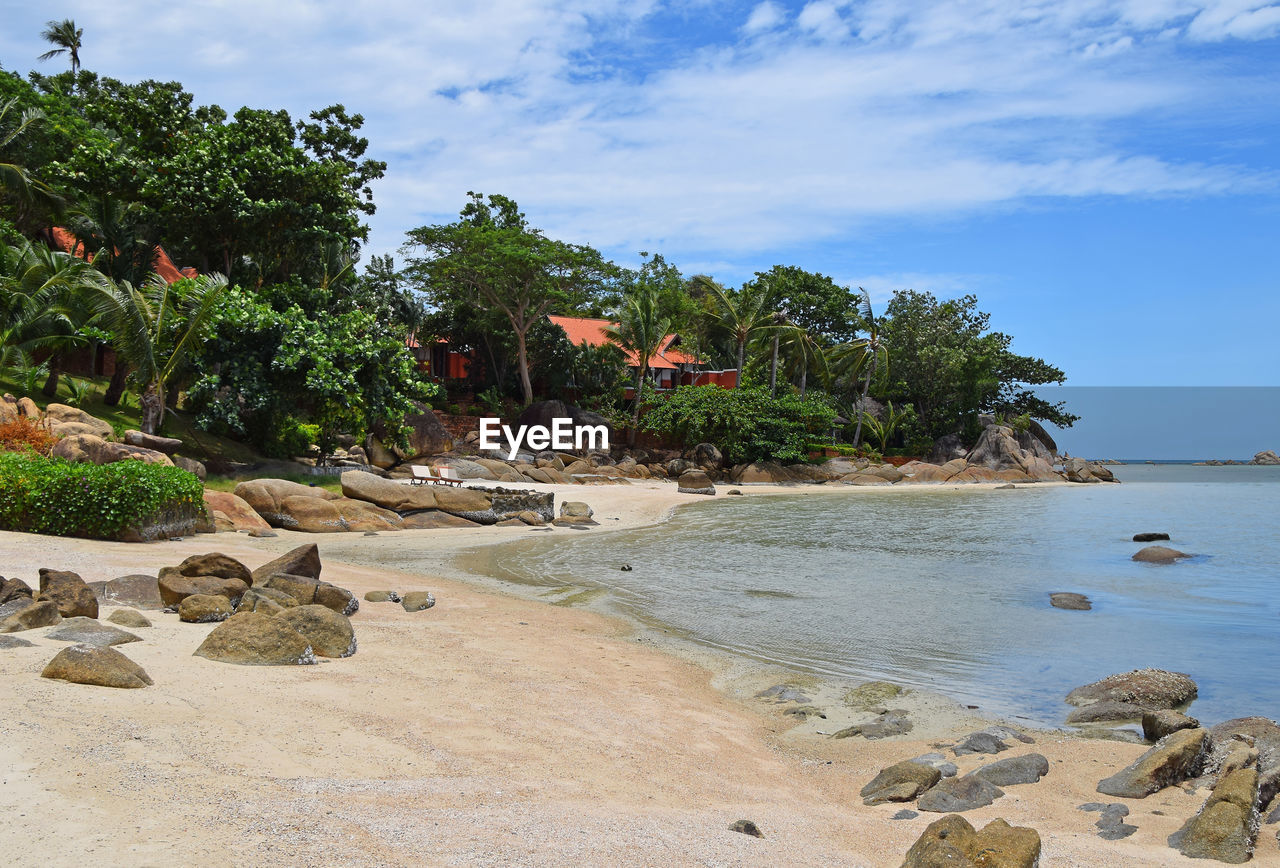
(15, 180)
(66, 36)
(742, 316)
(641, 331)
(43, 303)
(154, 327)
(862, 356)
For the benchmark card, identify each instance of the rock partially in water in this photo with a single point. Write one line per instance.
(1026, 769)
(953, 841)
(1150, 537)
(1152, 688)
(952, 795)
(1173, 759)
(900, 782)
(1107, 711)
(1159, 555)
(1069, 600)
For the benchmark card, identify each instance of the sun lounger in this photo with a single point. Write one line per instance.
(442, 475)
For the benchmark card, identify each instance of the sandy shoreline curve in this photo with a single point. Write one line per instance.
(492, 729)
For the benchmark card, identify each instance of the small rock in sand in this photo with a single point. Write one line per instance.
(417, 601)
(747, 827)
(129, 618)
(1026, 769)
(886, 724)
(99, 666)
(89, 632)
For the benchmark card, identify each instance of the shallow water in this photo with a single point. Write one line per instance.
(950, 590)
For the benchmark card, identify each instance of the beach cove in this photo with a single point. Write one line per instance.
(492, 729)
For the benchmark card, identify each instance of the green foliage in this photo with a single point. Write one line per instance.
(53, 496)
(881, 431)
(78, 391)
(746, 424)
(827, 311)
(951, 368)
(289, 438)
(346, 372)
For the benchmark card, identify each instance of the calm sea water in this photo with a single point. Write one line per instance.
(949, 590)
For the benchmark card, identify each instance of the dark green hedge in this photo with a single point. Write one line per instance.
(63, 498)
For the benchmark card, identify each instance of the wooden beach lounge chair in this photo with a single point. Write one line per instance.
(442, 475)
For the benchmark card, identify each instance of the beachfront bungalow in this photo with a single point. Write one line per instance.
(436, 358)
(671, 366)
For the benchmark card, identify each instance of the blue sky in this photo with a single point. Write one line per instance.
(1104, 176)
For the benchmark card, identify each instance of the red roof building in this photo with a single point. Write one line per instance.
(671, 366)
(66, 242)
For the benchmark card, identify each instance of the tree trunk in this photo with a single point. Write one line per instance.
(862, 403)
(152, 409)
(115, 389)
(804, 375)
(773, 369)
(742, 360)
(50, 388)
(635, 411)
(522, 358)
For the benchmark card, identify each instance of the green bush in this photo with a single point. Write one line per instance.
(290, 438)
(746, 424)
(63, 498)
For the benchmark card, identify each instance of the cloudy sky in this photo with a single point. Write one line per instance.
(1104, 176)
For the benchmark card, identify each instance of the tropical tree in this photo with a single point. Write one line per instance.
(155, 327)
(43, 303)
(492, 257)
(66, 36)
(15, 179)
(741, 315)
(641, 330)
(863, 356)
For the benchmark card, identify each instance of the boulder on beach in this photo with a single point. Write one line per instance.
(41, 614)
(417, 601)
(900, 782)
(1159, 555)
(13, 588)
(235, 510)
(435, 519)
(253, 639)
(1025, 769)
(89, 631)
(952, 795)
(215, 564)
(1107, 711)
(1173, 759)
(330, 633)
(695, 482)
(301, 561)
(575, 512)
(888, 723)
(204, 608)
(98, 666)
(1157, 724)
(1225, 828)
(73, 597)
(1152, 688)
(137, 590)
(306, 591)
(953, 841)
(358, 485)
(268, 601)
(175, 587)
(131, 618)
(266, 497)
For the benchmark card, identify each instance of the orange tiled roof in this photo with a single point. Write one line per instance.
(67, 243)
(591, 331)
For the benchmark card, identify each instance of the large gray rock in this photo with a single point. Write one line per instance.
(1173, 759)
(167, 445)
(14, 588)
(1157, 724)
(1150, 688)
(1026, 769)
(136, 590)
(99, 666)
(89, 631)
(706, 456)
(953, 795)
(900, 782)
(952, 841)
(17, 604)
(1266, 457)
(253, 639)
(41, 614)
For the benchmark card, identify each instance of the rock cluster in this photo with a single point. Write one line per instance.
(1130, 695)
(952, 840)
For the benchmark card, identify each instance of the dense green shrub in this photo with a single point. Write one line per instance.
(63, 498)
(290, 438)
(746, 424)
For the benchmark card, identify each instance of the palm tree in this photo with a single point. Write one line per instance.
(862, 355)
(154, 327)
(66, 36)
(43, 302)
(641, 331)
(742, 316)
(15, 179)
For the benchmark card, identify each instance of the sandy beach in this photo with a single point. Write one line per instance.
(491, 729)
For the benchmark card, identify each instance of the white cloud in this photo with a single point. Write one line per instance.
(765, 16)
(850, 113)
